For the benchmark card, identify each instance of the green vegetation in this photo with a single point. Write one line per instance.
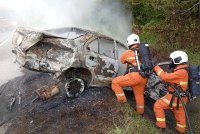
(168, 25)
(134, 123)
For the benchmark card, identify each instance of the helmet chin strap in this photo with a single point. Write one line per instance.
(133, 46)
(171, 64)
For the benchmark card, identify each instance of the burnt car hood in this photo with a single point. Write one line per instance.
(24, 38)
(43, 51)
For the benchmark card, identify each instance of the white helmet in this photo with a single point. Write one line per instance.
(179, 57)
(133, 39)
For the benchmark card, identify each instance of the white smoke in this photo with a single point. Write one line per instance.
(109, 17)
(8, 69)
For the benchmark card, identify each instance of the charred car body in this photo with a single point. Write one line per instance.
(80, 57)
(75, 54)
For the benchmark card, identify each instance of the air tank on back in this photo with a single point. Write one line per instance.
(146, 59)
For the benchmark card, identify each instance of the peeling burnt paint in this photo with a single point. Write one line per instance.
(57, 51)
(107, 67)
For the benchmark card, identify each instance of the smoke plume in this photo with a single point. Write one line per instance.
(109, 17)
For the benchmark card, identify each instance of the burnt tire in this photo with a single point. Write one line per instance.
(74, 87)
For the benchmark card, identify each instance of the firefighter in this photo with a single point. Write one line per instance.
(179, 77)
(132, 78)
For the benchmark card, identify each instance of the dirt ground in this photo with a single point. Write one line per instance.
(95, 111)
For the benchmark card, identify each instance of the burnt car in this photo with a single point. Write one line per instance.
(81, 57)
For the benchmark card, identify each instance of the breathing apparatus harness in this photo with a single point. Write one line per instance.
(178, 92)
(146, 63)
(175, 94)
(130, 67)
(193, 89)
(137, 62)
(133, 68)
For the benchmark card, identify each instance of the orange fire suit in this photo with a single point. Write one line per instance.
(178, 77)
(133, 79)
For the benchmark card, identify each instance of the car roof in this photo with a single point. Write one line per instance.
(62, 30)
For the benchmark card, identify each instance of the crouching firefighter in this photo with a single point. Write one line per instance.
(178, 84)
(133, 77)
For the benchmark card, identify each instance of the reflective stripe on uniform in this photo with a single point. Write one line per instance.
(159, 72)
(181, 126)
(160, 119)
(183, 83)
(120, 94)
(130, 58)
(168, 102)
(139, 106)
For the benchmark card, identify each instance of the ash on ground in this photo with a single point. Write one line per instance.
(95, 111)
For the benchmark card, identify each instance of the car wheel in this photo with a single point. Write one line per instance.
(74, 87)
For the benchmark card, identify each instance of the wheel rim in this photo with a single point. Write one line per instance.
(74, 87)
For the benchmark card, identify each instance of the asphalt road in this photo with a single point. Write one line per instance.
(8, 69)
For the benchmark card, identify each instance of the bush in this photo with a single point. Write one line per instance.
(168, 25)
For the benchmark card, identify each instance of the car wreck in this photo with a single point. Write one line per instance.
(77, 57)
(72, 54)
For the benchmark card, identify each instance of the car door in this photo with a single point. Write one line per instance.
(107, 58)
(120, 48)
(101, 59)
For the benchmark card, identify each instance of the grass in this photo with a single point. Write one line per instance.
(165, 33)
(162, 49)
(134, 123)
(194, 55)
(194, 115)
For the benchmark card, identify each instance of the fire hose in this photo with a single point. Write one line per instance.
(177, 89)
(183, 104)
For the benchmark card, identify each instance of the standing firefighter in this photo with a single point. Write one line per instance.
(178, 78)
(133, 77)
